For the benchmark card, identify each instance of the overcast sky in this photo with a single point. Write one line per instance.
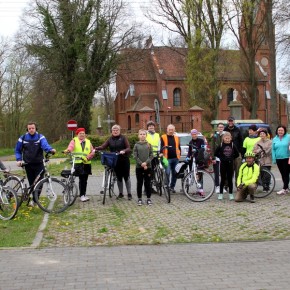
(11, 10)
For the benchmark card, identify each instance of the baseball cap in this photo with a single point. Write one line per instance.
(231, 118)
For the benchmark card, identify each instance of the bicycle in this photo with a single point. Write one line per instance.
(109, 160)
(266, 181)
(69, 179)
(49, 192)
(8, 202)
(160, 180)
(198, 184)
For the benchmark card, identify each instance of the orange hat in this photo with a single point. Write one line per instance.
(80, 130)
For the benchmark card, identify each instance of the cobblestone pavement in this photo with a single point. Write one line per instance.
(185, 245)
(122, 222)
(236, 266)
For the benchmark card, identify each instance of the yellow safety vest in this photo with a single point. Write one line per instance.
(153, 140)
(79, 152)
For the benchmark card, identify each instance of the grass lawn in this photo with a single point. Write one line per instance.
(21, 231)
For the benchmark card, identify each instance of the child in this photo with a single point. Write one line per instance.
(227, 152)
(247, 179)
(143, 155)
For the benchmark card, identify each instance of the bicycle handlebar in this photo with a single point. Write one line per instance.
(45, 159)
(161, 149)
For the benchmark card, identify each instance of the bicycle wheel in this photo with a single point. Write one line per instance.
(106, 187)
(165, 186)
(158, 180)
(112, 181)
(51, 195)
(8, 203)
(200, 187)
(73, 192)
(15, 183)
(266, 183)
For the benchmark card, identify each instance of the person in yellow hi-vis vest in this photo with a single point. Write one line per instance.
(153, 139)
(82, 147)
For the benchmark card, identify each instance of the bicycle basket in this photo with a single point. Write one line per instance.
(109, 159)
(179, 169)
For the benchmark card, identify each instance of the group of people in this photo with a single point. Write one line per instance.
(228, 148)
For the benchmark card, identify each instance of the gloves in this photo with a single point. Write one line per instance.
(187, 159)
(85, 159)
(241, 186)
(66, 151)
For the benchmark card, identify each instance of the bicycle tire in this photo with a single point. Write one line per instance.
(15, 183)
(266, 183)
(158, 180)
(109, 183)
(165, 187)
(112, 181)
(51, 195)
(105, 186)
(73, 192)
(8, 203)
(192, 187)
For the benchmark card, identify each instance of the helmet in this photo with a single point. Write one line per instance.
(150, 123)
(250, 154)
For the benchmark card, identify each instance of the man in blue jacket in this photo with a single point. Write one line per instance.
(29, 149)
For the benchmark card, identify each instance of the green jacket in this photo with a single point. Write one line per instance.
(248, 174)
(142, 152)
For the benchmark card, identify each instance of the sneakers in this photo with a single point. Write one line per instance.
(231, 196)
(139, 201)
(83, 198)
(220, 196)
(225, 190)
(149, 202)
(282, 191)
(217, 189)
(172, 190)
(121, 195)
(201, 192)
(129, 196)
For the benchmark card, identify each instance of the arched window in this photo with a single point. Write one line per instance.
(177, 97)
(137, 119)
(230, 95)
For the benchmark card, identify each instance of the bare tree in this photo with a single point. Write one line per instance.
(15, 99)
(270, 36)
(250, 18)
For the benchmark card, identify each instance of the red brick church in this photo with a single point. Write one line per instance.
(151, 86)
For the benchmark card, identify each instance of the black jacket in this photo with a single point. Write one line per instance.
(236, 137)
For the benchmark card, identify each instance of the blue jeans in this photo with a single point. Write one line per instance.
(171, 170)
